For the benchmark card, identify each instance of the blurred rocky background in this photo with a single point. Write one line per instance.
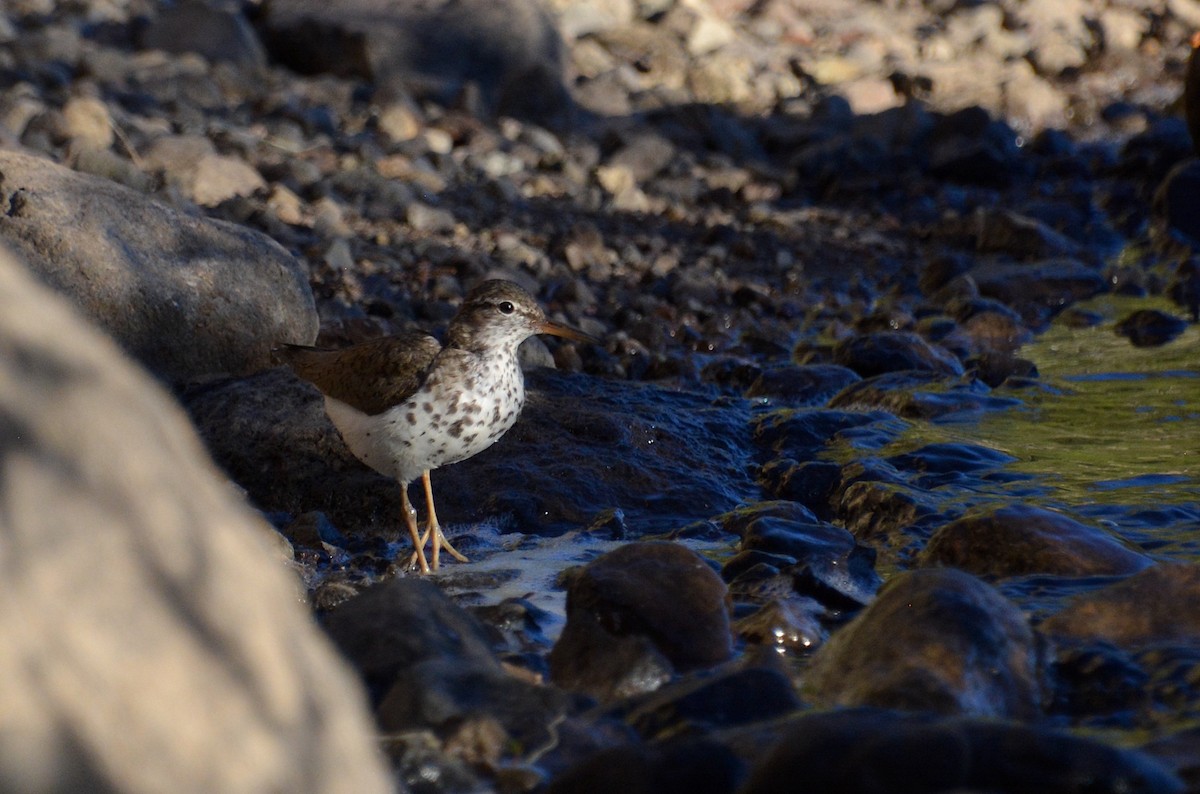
(801, 227)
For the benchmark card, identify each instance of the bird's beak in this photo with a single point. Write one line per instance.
(565, 331)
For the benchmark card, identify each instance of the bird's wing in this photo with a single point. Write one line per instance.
(371, 376)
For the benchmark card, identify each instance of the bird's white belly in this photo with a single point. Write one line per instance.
(431, 429)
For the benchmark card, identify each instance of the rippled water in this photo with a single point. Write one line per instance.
(1114, 433)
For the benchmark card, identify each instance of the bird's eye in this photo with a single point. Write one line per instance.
(506, 307)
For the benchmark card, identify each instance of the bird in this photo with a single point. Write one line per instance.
(406, 405)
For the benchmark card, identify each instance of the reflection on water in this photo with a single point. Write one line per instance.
(1111, 433)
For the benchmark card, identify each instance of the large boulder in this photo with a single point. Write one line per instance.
(186, 296)
(153, 638)
(936, 640)
(509, 49)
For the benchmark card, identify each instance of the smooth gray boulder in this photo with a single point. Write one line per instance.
(152, 638)
(185, 295)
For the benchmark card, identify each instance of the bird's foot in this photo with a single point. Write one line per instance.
(440, 542)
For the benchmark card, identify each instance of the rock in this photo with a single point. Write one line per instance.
(88, 123)
(933, 640)
(701, 703)
(1191, 94)
(1141, 610)
(190, 163)
(810, 483)
(644, 155)
(186, 296)
(1004, 231)
(967, 146)
(890, 516)
(1150, 327)
(801, 386)
(893, 351)
(153, 639)
(510, 49)
(1174, 201)
(1184, 289)
(914, 394)
(696, 766)
(1018, 540)
(391, 627)
(862, 751)
(443, 694)
(1039, 290)
(785, 625)
(271, 433)
(216, 30)
(824, 560)
(659, 598)
(802, 433)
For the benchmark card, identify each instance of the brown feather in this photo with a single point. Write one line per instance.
(371, 376)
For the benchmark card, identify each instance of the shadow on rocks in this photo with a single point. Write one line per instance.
(429, 667)
(866, 751)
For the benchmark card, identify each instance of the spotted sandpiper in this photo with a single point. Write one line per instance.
(406, 405)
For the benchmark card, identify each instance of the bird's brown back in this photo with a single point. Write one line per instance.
(371, 376)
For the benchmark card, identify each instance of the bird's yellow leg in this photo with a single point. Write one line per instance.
(434, 528)
(410, 519)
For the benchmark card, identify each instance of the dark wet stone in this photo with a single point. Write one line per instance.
(890, 516)
(825, 562)
(1098, 682)
(1179, 752)
(701, 704)
(313, 530)
(941, 462)
(1150, 327)
(995, 332)
(786, 624)
(767, 530)
(1076, 317)
(749, 559)
(1039, 290)
(1184, 289)
(735, 373)
(921, 395)
(968, 146)
(802, 433)
(1175, 201)
(996, 368)
(637, 613)
(942, 270)
(801, 386)
(391, 627)
(867, 751)
(893, 351)
(1018, 539)
(688, 767)
(935, 640)
(811, 483)
(1147, 607)
(441, 693)
(1004, 231)
(664, 457)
